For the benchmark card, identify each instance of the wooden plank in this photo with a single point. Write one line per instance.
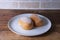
(52, 34)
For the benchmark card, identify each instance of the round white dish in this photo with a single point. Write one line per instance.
(16, 28)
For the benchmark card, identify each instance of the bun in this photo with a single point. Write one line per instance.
(37, 20)
(26, 23)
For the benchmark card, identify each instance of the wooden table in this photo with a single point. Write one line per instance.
(52, 34)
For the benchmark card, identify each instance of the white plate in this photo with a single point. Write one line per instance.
(14, 27)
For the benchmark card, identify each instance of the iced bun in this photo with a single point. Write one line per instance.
(26, 23)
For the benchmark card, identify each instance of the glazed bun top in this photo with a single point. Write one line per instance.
(26, 19)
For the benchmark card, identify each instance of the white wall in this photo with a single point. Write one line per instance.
(29, 4)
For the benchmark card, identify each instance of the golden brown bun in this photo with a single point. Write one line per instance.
(26, 24)
(37, 20)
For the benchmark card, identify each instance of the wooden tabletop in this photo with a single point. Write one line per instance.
(52, 34)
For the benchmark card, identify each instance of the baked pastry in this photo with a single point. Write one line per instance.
(26, 23)
(37, 20)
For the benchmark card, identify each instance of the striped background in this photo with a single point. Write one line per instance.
(29, 4)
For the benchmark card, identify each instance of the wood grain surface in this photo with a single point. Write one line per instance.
(52, 34)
